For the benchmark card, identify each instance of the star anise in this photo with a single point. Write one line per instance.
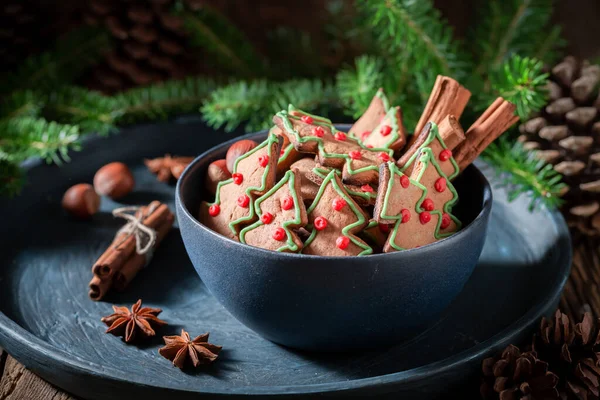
(181, 349)
(130, 324)
(167, 167)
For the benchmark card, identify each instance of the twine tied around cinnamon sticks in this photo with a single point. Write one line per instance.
(136, 228)
(132, 247)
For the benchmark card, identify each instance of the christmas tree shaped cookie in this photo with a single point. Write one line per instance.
(372, 117)
(334, 220)
(334, 149)
(287, 155)
(400, 204)
(441, 194)
(441, 147)
(279, 211)
(254, 174)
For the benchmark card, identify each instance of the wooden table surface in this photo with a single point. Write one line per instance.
(581, 294)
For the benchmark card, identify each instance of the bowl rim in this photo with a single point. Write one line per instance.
(481, 217)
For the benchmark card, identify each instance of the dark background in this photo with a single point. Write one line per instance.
(28, 27)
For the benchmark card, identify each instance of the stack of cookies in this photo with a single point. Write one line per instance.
(310, 188)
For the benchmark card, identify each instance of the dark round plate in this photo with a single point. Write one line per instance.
(48, 323)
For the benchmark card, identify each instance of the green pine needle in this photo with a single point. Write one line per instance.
(25, 138)
(415, 30)
(507, 27)
(357, 86)
(225, 44)
(25, 103)
(11, 179)
(240, 102)
(522, 82)
(522, 173)
(71, 56)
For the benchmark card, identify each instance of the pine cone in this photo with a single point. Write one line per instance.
(150, 44)
(567, 134)
(516, 375)
(571, 352)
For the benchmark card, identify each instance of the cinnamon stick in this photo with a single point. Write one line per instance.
(121, 254)
(447, 97)
(137, 262)
(115, 256)
(450, 131)
(491, 124)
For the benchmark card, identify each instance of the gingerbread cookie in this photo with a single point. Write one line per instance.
(399, 202)
(364, 195)
(254, 175)
(441, 194)
(334, 148)
(388, 134)
(430, 137)
(280, 212)
(308, 188)
(372, 117)
(334, 220)
(288, 154)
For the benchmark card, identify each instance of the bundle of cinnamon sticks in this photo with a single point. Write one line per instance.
(446, 104)
(131, 249)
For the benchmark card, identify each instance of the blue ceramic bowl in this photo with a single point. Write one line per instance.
(333, 303)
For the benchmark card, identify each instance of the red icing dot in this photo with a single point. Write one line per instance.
(369, 146)
(243, 201)
(338, 204)
(237, 178)
(281, 153)
(385, 157)
(214, 210)
(384, 228)
(287, 203)
(440, 185)
(365, 135)
(425, 217)
(342, 242)
(263, 161)
(445, 155)
(428, 205)
(404, 181)
(385, 130)
(446, 220)
(355, 155)
(340, 136)
(317, 130)
(279, 234)
(267, 218)
(320, 223)
(367, 188)
(306, 119)
(405, 215)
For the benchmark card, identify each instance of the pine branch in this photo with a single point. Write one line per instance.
(357, 86)
(415, 30)
(11, 178)
(507, 27)
(66, 62)
(306, 94)
(522, 82)
(522, 173)
(221, 39)
(237, 103)
(25, 138)
(20, 104)
(163, 100)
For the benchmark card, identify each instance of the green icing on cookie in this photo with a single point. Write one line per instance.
(346, 230)
(290, 245)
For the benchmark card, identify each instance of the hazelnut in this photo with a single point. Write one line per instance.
(114, 180)
(237, 149)
(81, 200)
(216, 172)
